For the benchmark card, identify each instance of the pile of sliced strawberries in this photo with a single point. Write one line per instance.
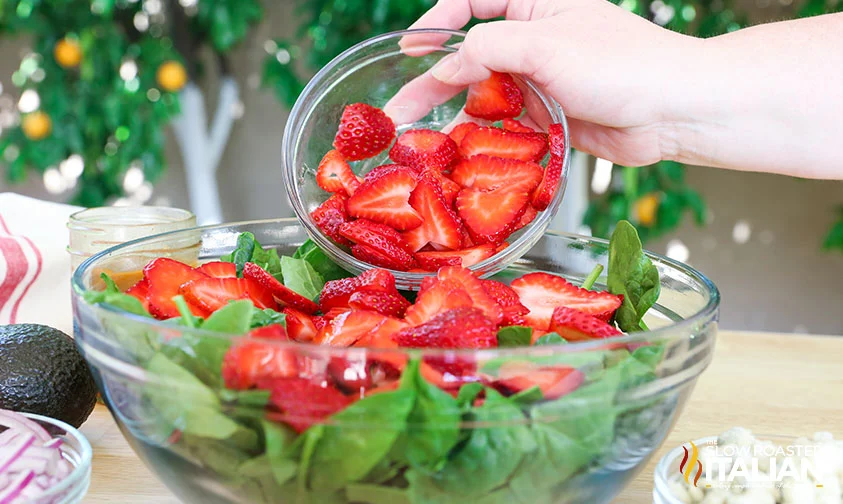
(446, 199)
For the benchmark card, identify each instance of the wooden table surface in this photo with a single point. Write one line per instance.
(785, 384)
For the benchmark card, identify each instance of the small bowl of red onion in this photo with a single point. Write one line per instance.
(42, 460)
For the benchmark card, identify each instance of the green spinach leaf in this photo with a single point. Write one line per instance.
(112, 296)
(278, 439)
(632, 274)
(514, 336)
(376, 494)
(550, 339)
(267, 316)
(300, 276)
(249, 250)
(467, 394)
(233, 318)
(328, 269)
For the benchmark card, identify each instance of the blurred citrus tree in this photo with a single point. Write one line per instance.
(106, 76)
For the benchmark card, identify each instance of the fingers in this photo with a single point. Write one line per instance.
(418, 97)
(502, 46)
(455, 14)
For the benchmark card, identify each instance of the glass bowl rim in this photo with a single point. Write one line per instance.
(81, 472)
(682, 327)
(497, 262)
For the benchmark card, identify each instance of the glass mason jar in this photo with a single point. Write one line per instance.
(96, 229)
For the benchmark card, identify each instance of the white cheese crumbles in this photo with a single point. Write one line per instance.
(741, 469)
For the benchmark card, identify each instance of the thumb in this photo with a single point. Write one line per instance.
(500, 46)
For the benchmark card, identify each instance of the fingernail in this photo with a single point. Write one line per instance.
(446, 69)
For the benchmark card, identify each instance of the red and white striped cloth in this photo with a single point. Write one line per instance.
(34, 263)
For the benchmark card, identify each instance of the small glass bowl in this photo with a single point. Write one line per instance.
(373, 72)
(77, 451)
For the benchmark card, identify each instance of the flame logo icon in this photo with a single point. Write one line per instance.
(690, 462)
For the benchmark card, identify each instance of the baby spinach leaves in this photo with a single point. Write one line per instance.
(249, 250)
(633, 275)
(300, 276)
(515, 336)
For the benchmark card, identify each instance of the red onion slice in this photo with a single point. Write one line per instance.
(17, 486)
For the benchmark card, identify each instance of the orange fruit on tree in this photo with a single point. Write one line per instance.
(67, 53)
(37, 125)
(171, 76)
(646, 207)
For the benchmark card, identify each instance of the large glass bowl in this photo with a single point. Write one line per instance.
(373, 72)
(214, 445)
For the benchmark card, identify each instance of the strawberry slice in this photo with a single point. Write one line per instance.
(334, 174)
(449, 188)
(359, 375)
(544, 193)
(165, 276)
(516, 126)
(440, 226)
(505, 144)
(219, 269)
(495, 98)
(424, 148)
(211, 294)
(386, 200)
(435, 297)
(554, 382)
(574, 325)
(140, 291)
(381, 245)
(390, 304)
(364, 131)
(283, 295)
(251, 360)
(336, 293)
(490, 216)
(379, 171)
(556, 140)
(330, 215)
(529, 216)
(466, 257)
(507, 299)
(474, 287)
(456, 328)
(488, 173)
(300, 326)
(349, 327)
(541, 293)
(302, 402)
(460, 130)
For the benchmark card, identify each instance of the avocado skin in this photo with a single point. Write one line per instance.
(42, 372)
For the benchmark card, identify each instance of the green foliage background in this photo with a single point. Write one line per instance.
(112, 123)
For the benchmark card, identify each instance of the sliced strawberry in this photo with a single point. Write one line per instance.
(300, 326)
(459, 131)
(474, 287)
(505, 144)
(379, 171)
(438, 297)
(349, 327)
(490, 216)
(428, 282)
(556, 140)
(495, 98)
(330, 215)
(211, 294)
(456, 328)
(543, 292)
(450, 372)
(334, 174)
(424, 148)
(467, 242)
(507, 299)
(335, 312)
(449, 188)
(380, 247)
(250, 360)
(382, 338)
(364, 131)
(487, 173)
(529, 216)
(386, 200)
(554, 382)
(390, 304)
(544, 193)
(302, 402)
(502, 246)
(219, 269)
(336, 293)
(357, 375)
(440, 226)
(283, 295)
(319, 322)
(466, 257)
(165, 276)
(516, 126)
(140, 291)
(574, 325)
